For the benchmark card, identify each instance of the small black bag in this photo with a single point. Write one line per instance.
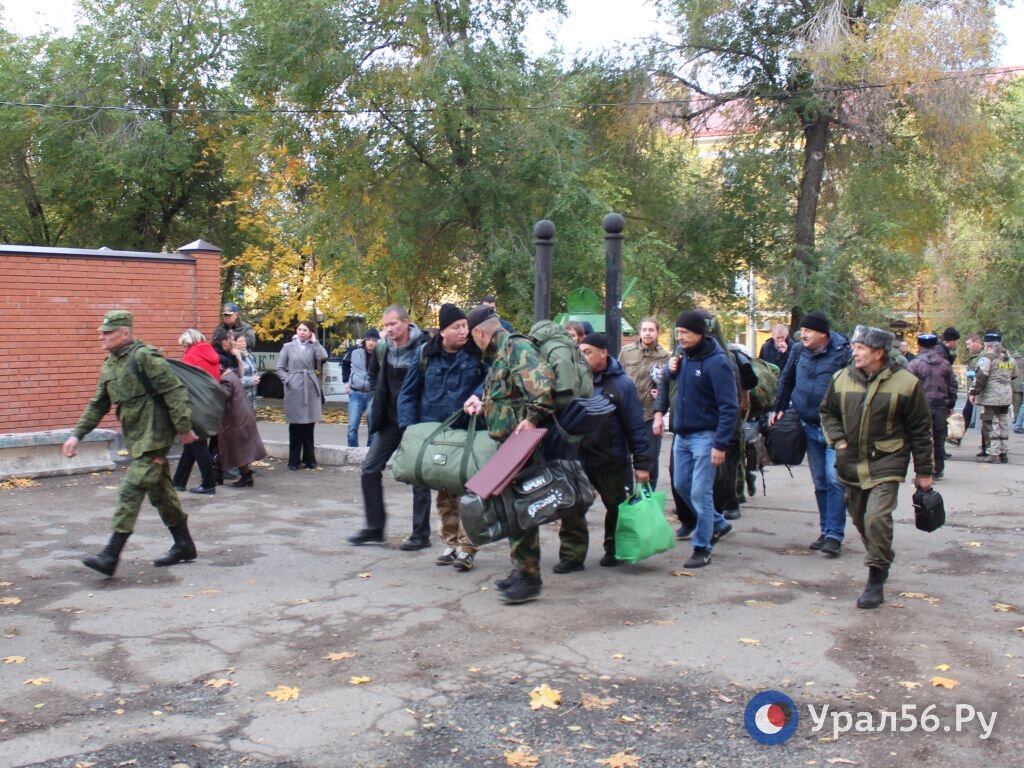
(929, 510)
(786, 440)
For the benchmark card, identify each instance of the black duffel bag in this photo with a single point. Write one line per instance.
(539, 494)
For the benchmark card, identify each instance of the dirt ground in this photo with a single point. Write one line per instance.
(386, 659)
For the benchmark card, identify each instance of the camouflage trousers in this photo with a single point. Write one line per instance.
(871, 512)
(148, 474)
(612, 485)
(524, 550)
(452, 532)
(995, 428)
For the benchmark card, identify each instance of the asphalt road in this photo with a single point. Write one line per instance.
(654, 665)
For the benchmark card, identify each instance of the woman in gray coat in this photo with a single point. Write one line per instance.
(297, 367)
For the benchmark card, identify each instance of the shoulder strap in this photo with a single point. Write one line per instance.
(146, 383)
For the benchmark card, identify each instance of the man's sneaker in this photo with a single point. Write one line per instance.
(990, 459)
(1018, 430)
(832, 547)
(568, 566)
(447, 557)
(523, 589)
(698, 559)
(982, 453)
(609, 560)
(502, 584)
(367, 536)
(463, 562)
(732, 514)
(684, 532)
(412, 544)
(818, 543)
(721, 533)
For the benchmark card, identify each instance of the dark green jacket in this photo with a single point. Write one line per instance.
(147, 425)
(883, 419)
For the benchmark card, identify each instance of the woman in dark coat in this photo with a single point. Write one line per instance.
(239, 440)
(303, 395)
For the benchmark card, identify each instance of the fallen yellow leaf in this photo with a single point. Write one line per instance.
(1002, 607)
(618, 656)
(683, 573)
(909, 684)
(1020, 629)
(973, 543)
(218, 683)
(593, 702)
(6, 584)
(340, 656)
(944, 682)
(364, 575)
(37, 681)
(621, 760)
(118, 711)
(759, 603)
(9, 600)
(14, 659)
(283, 693)
(943, 668)
(749, 641)
(543, 696)
(473, 669)
(521, 759)
(777, 583)
(359, 680)
(17, 482)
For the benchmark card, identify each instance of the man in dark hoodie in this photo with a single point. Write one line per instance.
(607, 464)
(940, 388)
(802, 384)
(703, 421)
(391, 361)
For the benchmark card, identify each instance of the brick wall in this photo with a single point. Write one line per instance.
(53, 299)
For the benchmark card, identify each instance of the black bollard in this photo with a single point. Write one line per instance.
(614, 224)
(544, 231)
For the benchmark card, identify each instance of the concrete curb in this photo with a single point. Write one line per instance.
(328, 455)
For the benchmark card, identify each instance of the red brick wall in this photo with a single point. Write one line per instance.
(51, 302)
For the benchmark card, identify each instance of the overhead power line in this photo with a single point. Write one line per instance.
(354, 112)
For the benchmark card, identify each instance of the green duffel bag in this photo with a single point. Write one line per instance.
(206, 397)
(435, 455)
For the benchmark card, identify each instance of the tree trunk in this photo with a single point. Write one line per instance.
(816, 130)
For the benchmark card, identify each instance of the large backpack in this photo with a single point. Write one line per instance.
(573, 378)
(205, 395)
(762, 397)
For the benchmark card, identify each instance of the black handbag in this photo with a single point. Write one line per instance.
(929, 510)
(786, 440)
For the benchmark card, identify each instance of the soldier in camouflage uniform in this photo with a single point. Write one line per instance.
(993, 391)
(518, 395)
(149, 430)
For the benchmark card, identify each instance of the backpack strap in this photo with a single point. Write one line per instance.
(143, 378)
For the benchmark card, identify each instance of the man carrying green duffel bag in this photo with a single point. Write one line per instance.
(447, 372)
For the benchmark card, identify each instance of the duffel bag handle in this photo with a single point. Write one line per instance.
(430, 441)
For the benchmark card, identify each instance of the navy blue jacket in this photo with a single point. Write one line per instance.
(806, 377)
(440, 390)
(631, 431)
(706, 397)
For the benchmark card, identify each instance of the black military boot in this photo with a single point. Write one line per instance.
(524, 587)
(183, 550)
(105, 561)
(872, 597)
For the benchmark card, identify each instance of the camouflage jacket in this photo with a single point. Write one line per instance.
(643, 366)
(147, 425)
(519, 385)
(993, 378)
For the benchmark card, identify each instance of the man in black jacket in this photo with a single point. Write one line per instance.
(393, 357)
(606, 457)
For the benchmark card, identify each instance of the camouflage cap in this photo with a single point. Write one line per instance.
(116, 318)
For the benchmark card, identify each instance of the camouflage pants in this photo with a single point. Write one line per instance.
(451, 525)
(148, 474)
(574, 535)
(995, 427)
(871, 512)
(525, 551)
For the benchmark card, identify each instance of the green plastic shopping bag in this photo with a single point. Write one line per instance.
(642, 529)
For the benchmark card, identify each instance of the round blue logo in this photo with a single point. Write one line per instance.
(771, 717)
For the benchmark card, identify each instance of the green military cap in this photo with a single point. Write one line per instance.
(116, 318)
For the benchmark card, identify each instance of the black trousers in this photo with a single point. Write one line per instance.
(939, 415)
(301, 448)
(192, 454)
(385, 443)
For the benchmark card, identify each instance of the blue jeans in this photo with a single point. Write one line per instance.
(828, 491)
(694, 479)
(358, 404)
